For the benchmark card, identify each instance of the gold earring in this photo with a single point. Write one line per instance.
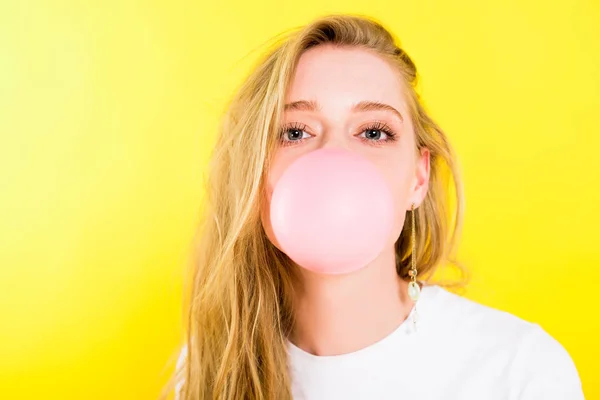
(413, 287)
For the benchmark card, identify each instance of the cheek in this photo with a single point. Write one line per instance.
(275, 172)
(399, 179)
(265, 216)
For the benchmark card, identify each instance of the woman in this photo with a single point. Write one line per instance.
(264, 326)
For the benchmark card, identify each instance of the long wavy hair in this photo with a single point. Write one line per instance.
(238, 298)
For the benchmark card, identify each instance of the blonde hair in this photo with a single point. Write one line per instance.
(239, 307)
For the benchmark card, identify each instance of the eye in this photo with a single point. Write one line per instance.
(377, 132)
(374, 134)
(293, 134)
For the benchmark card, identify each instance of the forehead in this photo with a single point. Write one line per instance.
(339, 77)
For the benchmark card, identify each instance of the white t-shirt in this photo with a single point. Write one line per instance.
(460, 350)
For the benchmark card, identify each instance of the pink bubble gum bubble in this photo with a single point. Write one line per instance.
(332, 211)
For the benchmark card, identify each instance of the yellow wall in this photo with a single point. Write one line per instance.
(107, 113)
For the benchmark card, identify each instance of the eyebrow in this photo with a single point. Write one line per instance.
(311, 105)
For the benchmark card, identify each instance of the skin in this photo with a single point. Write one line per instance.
(344, 313)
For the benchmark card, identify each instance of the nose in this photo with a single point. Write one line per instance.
(335, 138)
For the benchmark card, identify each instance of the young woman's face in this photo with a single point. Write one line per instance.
(351, 99)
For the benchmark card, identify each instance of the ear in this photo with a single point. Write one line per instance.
(422, 168)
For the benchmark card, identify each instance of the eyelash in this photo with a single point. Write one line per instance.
(376, 125)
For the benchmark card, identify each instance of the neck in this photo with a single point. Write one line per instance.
(338, 314)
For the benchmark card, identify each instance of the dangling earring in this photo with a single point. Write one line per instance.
(413, 287)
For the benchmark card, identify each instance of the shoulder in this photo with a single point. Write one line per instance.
(537, 365)
(459, 317)
(179, 371)
(543, 368)
(182, 356)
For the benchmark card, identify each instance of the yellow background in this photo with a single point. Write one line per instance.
(108, 110)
